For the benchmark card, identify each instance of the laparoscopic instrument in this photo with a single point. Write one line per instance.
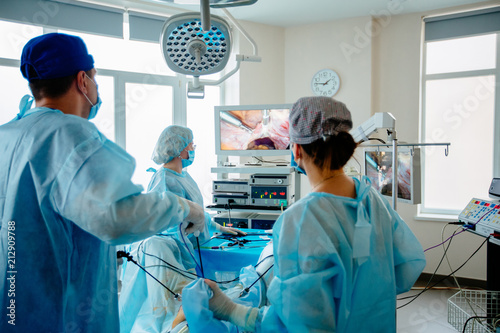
(123, 254)
(229, 118)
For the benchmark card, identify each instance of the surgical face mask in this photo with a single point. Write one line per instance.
(189, 160)
(95, 107)
(295, 165)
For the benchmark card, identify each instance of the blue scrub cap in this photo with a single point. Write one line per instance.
(172, 141)
(313, 118)
(53, 56)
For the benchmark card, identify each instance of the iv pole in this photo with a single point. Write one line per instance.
(386, 120)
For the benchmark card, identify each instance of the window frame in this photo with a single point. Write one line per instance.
(443, 213)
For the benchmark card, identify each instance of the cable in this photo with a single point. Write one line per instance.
(430, 279)
(454, 234)
(168, 265)
(174, 268)
(247, 289)
(229, 211)
(178, 270)
(476, 317)
(446, 255)
(187, 247)
(260, 262)
(199, 254)
(415, 296)
(444, 278)
(466, 227)
(123, 254)
(376, 139)
(453, 275)
(496, 322)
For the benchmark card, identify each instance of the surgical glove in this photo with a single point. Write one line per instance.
(225, 309)
(196, 218)
(228, 230)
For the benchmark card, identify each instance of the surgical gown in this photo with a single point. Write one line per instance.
(339, 264)
(65, 198)
(145, 305)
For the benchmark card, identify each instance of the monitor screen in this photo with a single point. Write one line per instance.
(378, 168)
(252, 130)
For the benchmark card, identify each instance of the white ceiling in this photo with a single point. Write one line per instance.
(287, 13)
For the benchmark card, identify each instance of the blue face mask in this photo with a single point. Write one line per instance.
(295, 165)
(190, 159)
(95, 107)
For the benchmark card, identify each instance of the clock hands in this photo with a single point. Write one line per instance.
(324, 84)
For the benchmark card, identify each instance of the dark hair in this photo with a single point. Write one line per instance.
(333, 152)
(52, 88)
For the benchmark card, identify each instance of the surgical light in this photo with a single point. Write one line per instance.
(190, 50)
(190, 47)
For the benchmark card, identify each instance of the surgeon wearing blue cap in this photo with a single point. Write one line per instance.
(342, 254)
(144, 304)
(66, 198)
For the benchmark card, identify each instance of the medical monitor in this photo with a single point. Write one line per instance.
(378, 168)
(252, 130)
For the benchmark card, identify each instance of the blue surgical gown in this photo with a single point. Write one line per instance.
(145, 305)
(339, 264)
(65, 199)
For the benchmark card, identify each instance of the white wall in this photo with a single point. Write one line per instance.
(259, 83)
(379, 66)
(313, 47)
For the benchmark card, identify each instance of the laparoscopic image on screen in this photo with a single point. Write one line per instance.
(378, 166)
(254, 129)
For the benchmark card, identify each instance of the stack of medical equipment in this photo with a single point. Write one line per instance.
(264, 191)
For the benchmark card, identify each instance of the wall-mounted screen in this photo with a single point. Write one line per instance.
(378, 167)
(252, 130)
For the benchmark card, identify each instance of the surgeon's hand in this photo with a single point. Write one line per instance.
(229, 230)
(221, 305)
(225, 309)
(195, 218)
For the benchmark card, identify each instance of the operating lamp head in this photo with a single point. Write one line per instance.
(189, 50)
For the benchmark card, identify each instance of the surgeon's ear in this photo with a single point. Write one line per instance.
(297, 151)
(81, 82)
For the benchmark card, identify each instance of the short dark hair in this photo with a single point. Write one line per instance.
(332, 152)
(52, 88)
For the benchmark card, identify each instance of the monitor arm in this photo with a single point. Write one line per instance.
(378, 121)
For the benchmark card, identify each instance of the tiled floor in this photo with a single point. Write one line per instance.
(427, 314)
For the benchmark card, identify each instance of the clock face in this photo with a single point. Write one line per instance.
(326, 82)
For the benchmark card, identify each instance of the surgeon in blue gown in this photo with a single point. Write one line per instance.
(145, 305)
(66, 200)
(341, 253)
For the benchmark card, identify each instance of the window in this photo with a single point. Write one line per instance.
(149, 111)
(461, 105)
(141, 95)
(13, 86)
(200, 119)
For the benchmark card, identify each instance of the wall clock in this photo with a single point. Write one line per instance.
(325, 82)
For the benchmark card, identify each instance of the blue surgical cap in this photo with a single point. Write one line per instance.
(53, 56)
(172, 141)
